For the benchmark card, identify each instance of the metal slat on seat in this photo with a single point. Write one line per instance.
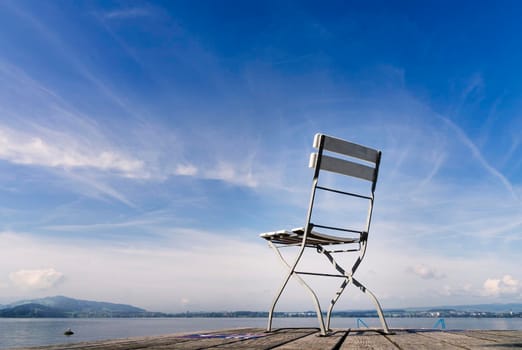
(314, 238)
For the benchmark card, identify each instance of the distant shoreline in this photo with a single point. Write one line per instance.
(65, 307)
(253, 314)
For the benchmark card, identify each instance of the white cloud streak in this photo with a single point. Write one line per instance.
(129, 13)
(186, 170)
(480, 158)
(21, 148)
(231, 173)
(426, 272)
(36, 279)
(52, 135)
(59, 136)
(103, 226)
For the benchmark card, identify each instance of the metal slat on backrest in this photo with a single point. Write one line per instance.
(344, 167)
(336, 145)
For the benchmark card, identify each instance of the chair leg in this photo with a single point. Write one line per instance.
(276, 299)
(375, 302)
(291, 272)
(349, 278)
(334, 300)
(341, 289)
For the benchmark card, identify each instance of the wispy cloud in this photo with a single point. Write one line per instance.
(23, 148)
(186, 170)
(506, 285)
(36, 279)
(129, 13)
(462, 290)
(438, 162)
(104, 226)
(69, 56)
(231, 173)
(52, 134)
(474, 86)
(95, 188)
(60, 136)
(480, 158)
(426, 272)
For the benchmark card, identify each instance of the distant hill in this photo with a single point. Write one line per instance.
(60, 306)
(32, 310)
(70, 304)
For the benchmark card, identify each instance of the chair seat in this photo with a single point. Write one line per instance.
(314, 238)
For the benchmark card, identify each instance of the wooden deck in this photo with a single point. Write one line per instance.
(307, 338)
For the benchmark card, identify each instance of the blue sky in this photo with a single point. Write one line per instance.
(145, 145)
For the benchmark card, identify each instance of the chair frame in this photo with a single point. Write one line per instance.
(307, 238)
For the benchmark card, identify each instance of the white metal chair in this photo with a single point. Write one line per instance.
(348, 160)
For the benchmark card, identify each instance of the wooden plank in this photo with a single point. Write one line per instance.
(226, 338)
(501, 338)
(172, 341)
(315, 342)
(459, 339)
(272, 340)
(501, 333)
(129, 343)
(366, 340)
(193, 345)
(413, 340)
(151, 343)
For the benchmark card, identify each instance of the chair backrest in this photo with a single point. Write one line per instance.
(348, 159)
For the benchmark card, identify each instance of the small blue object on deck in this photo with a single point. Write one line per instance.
(359, 322)
(440, 322)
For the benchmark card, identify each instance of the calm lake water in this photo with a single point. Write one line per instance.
(33, 332)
